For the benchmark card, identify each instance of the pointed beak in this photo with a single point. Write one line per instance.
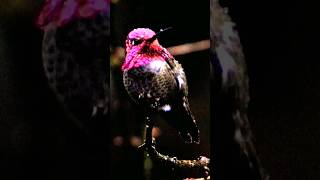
(154, 37)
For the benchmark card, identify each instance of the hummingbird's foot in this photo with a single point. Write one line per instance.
(146, 145)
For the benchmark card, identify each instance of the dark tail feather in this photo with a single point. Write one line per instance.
(181, 118)
(189, 130)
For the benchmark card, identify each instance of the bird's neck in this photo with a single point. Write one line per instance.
(143, 56)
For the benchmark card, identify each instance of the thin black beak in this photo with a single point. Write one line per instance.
(158, 34)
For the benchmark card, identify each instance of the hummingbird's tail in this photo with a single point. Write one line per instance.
(188, 130)
(180, 118)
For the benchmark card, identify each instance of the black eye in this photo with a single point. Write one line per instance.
(135, 42)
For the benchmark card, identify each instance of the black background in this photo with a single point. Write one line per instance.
(280, 44)
(279, 40)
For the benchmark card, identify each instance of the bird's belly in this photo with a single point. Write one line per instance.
(151, 83)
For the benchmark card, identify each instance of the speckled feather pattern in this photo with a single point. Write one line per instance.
(157, 82)
(75, 63)
(153, 83)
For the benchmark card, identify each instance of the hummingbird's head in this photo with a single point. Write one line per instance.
(142, 41)
(139, 38)
(142, 37)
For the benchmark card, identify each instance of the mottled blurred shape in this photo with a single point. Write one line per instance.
(234, 151)
(75, 52)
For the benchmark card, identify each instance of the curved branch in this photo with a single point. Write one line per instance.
(198, 168)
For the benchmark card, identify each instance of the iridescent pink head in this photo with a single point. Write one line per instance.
(61, 12)
(138, 37)
(143, 43)
(141, 33)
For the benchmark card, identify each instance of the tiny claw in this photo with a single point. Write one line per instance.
(153, 143)
(142, 146)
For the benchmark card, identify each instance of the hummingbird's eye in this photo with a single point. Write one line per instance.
(135, 42)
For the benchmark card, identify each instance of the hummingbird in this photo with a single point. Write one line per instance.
(75, 53)
(156, 81)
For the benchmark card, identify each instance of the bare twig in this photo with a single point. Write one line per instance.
(190, 47)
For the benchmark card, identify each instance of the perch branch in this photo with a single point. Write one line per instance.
(198, 168)
(189, 47)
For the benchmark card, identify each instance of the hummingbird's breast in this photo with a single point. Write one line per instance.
(150, 83)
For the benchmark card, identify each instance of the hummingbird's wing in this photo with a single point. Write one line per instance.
(179, 76)
(183, 120)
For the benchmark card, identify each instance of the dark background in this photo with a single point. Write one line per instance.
(36, 140)
(280, 44)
